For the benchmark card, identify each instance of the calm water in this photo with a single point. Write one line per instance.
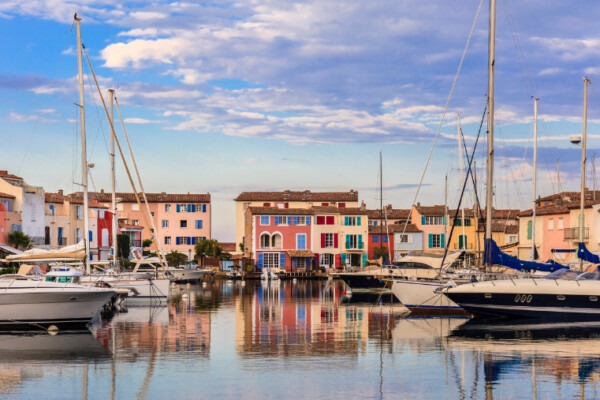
(299, 340)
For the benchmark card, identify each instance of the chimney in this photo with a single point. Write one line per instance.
(60, 191)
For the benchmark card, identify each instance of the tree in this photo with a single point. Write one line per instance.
(123, 246)
(19, 240)
(208, 248)
(175, 258)
(146, 243)
(381, 252)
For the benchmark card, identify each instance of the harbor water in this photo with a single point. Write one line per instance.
(298, 340)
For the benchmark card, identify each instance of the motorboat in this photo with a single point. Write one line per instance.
(29, 304)
(563, 294)
(187, 274)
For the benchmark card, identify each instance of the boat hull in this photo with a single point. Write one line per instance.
(530, 298)
(38, 305)
(421, 298)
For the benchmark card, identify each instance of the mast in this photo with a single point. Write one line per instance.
(586, 81)
(115, 219)
(381, 208)
(535, 115)
(460, 163)
(84, 163)
(490, 136)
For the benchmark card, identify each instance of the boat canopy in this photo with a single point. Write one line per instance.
(493, 255)
(584, 254)
(67, 253)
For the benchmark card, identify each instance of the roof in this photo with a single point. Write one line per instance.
(394, 228)
(163, 197)
(431, 211)
(55, 198)
(389, 213)
(5, 174)
(7, 196)
(306, 195)
(280, 211)
(548, 210)
(300, 253)
(228, 246)
(340, 210)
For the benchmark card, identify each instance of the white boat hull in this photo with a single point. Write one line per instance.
(421, 296)
(31, 304)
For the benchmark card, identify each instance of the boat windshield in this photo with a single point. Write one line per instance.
(564, 274)
(411, 265)
(589, 276)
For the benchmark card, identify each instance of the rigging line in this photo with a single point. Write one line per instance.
(462, 59)
(100, 128)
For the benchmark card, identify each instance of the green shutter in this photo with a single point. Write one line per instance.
(363, 260)
(444, 220)
(423, 220)
(529, 229)
(358, 221)
(443, 240)
(430, 240)
(360, 242)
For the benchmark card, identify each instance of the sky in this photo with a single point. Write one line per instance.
(225, 97)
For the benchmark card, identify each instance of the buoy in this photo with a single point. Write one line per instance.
(243, 283)
(52, 330)
(185, 296)
(203, 284)
(294, 280)
(187, 285)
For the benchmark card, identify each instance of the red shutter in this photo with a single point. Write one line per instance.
(322, 240)
(330, 220)
(317, 261)
(320, 220)
(338, 260)
(335, 240)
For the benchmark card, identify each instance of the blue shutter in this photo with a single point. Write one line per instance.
(177, 240)
(178, 208)
(296, 221)
(281, 260)
(423, 220)
(261, 258)
(90, 236)
(358, 221)
(375, 239)
(307, 220)
(346, 221)
(430, 240)
(290, 221)
(343, 258)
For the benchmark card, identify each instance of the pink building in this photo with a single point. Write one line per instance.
(281, 238)
(431, 220)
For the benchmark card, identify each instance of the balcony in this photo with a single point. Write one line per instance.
(467, 246)
(573, 234)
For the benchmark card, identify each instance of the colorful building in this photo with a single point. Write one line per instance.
(286, 199)
(431, 220)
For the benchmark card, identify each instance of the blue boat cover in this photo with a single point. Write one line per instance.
(586, 255)
(493, 255)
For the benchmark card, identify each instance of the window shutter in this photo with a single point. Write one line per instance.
(204, 208)
(178, 207)
(290, 221)
(347, 241)
(430, 240)
(360, 242)
(343, 258)
(316, 260)
(295, 220)
(363, 260)
(322, 240)
(530, 229)
(261, 258)
(335, 240)
(444, 220)
(90, 235)
(423, 220)
(346, 221)
(358, 221)
(442, 240)
(337, 260)
(320, 220)
(410, 239)
(281, 260)
(307, 220)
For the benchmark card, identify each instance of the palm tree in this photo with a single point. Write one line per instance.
(19, 240)
(175, 258)
(208, 248)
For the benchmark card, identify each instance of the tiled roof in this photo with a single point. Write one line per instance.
(389, 213)
(501, 227)
(306, 195)
(280, 211)
(56, 198)
(394, 228)
(7, 196)
(301, 253)
(152, 197)
(549, 210)
(431, 211)
(5, 174)
(469, 212)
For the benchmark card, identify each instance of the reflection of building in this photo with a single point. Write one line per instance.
(304, 319)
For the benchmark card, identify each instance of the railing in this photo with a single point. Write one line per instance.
(359, 246)
(573, 233)
(467, 246)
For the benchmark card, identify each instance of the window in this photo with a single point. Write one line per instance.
(512, 238)
(119, 206)
(8, 204)
(375, 238)
(462, 242)
(351, 221)
(301, 220)
(436, 240)
(135, 207)
(276, 241)
(265, 241)
(167, 208)
(354, 242)
(326, 260)
(264, 220)
(152, 213)
(165, 223)
(198, 224)
(183, 223)
(560, 224)
(341, 205)
(324, 220)
(280, 220)
(78, 212)
(271, 260)
(266, 204)
(135, 222)
(167, 239)
(384, 239)
(78, 235)
(327, 240)
(432, 220)
(551, 224)
(404, 238)
(301, 241)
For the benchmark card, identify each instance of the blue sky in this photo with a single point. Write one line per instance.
(224, 97)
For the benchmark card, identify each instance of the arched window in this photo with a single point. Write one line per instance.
(277, 241)
(265, 241)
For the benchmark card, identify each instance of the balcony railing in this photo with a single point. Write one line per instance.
(573, 234)
(466, 246)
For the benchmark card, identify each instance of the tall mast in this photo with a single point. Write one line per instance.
(535, 133)
(490, 136)
(586, 81)
(115, 219)
(460, 163)
(381, 207)
(84, 163)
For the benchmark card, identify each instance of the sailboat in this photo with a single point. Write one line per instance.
(563, 294)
